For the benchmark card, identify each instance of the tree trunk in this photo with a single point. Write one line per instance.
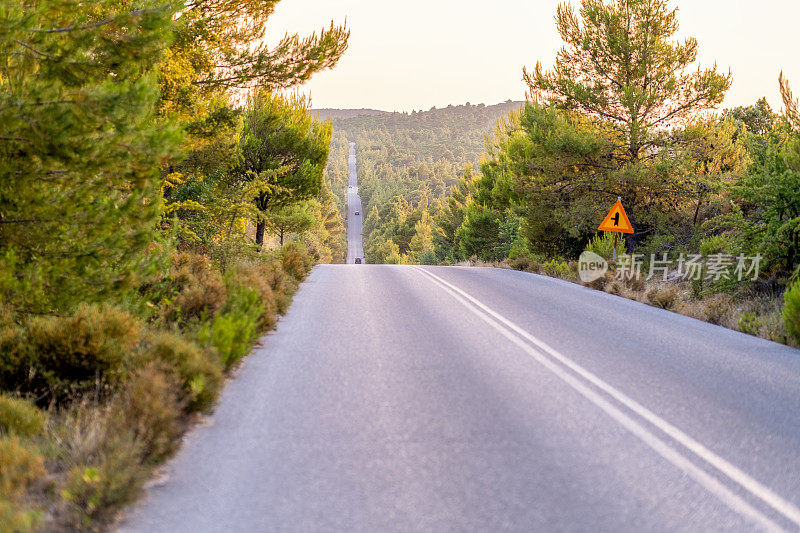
(260, 226)
(281, 238)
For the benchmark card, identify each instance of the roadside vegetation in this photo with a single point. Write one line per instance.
(160, 202)
(625, 112)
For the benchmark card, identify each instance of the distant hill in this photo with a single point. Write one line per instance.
(325, 113)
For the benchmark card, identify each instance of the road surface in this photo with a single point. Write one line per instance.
(355, 248)
(399, 398)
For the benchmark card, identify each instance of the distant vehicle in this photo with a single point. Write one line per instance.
(358, 260)
(357, 213)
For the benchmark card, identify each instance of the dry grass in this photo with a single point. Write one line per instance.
(754, 314)
(662, 295)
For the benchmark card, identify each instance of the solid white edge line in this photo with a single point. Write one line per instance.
(728, 497)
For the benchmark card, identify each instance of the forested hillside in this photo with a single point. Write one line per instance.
(407, 164)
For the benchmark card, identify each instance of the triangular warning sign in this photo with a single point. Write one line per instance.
(617, 220)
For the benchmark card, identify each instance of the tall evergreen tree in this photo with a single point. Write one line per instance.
(619, 63)
(80, 148)
(285, 148)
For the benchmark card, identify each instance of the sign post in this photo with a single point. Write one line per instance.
(616, 221)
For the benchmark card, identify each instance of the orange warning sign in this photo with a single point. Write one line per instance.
(617, 220)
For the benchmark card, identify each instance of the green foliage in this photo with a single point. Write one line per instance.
(113, 479)
(123, 137)
(757, 119)
(218, 50)
(58, 358)
(20, 417)
(22, 465)
(284, 151)
(603, 245)
(199, 287)
(620, 64)
(767, 197)
(16, 519)
(479, 234)
(715, 244)
(198, 370)
(749, 323)
(791, 310)
(237, 323)
(290, 219)
(791, 104)
(559, 269)
(327, 238)
(231, 333)
(149, 407)
(79, 185)
(296, 261)
(256, 275)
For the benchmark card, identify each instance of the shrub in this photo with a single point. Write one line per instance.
(16, 519)
(525, 263)
(558, 269)
(235, 326)
(603, 245)
(773, 327)
(428, 257)
(21, 466)
(603, 282)
(83, 352)
(103, 461)
(20, 417)
(716, 308)
(296, 260)
(17, 358)
(615, 287)
(716, 244)
(791, 310)
(149, 406)
(93, 491)
(198, 370)
(282, 285)
(663, 296)
(200, 289)
(250, 275)
(749, 323)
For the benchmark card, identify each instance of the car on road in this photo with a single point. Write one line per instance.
(357, 213)
(358, 260)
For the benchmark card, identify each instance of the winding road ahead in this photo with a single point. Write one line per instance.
(398, 398)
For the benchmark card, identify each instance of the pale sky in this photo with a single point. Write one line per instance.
(415, 54)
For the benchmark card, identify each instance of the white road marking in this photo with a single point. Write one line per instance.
(518, 336)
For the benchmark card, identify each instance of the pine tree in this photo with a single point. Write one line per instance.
(218, 50)
(619, 63)
(285, 148)
(290, 218)
(789, 102)
(80, 149)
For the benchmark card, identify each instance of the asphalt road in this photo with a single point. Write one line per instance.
(396, 398)
(354, 221)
